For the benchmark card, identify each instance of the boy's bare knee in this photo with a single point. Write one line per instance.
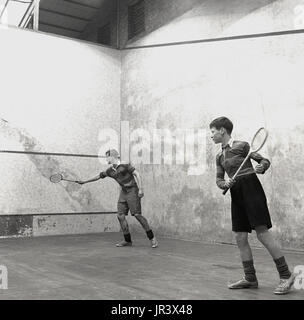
(261, 232)
(241, 238)
(121, 217)
(261, 229)
(262, 236)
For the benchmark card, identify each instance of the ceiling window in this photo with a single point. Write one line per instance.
(16, 13)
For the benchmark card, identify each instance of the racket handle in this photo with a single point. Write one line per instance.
(69, 180)
(225, 191)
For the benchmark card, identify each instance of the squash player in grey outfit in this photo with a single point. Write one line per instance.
(130, 196)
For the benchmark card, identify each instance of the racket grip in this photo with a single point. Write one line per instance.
(225, 191)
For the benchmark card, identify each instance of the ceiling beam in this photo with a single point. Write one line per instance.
(7, 1)
(82, 4)
(65, 14)
(59, 27)
(25, 17)
(36, 15)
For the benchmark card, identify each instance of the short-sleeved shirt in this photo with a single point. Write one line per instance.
(230, 159)
(123, 174)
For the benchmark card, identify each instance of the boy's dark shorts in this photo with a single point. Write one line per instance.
(249, 205)
(129, 200)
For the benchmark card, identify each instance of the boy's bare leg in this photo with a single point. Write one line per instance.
(268, 241)
(250, 280)
(125, 230)
(286, 277)
(243, 245)
(144, 223)
(123, 223)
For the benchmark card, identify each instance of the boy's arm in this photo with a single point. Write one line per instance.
(100, 176)
(220, 174)
(264, 163)
(138, 180)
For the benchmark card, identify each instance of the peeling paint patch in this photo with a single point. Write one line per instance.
(48, 165)
(40, 221)
(74, 224)
(11, 226)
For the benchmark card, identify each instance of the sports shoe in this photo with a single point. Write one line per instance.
(243, 284)
(124, 244)
(154, 243)
(285, 285)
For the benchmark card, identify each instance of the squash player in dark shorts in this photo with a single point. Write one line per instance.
(249, 210)
(130, 196)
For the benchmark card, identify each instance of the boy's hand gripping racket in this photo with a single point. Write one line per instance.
(257, 143)
(55, 178)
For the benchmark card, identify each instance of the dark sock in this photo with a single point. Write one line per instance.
(150, 234)
(127, 237)
(249, 271)
(282, 268)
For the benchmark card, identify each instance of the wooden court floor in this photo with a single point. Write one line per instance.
(91, 267)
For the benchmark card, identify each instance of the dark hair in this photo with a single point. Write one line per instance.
(113, 153)
(222, 122)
